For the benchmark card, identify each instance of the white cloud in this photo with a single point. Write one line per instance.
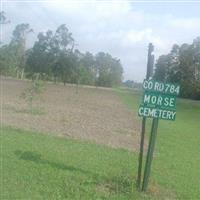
(184, 23)
(134, 36)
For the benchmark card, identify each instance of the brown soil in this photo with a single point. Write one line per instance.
(95, 114)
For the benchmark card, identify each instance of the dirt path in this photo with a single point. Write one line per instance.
(94, 114)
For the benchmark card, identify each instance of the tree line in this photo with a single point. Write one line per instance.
(54, 57)
(181, 66)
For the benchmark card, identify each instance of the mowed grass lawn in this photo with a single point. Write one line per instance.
(38, 166)
(41, 166)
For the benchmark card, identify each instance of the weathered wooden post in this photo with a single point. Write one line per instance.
(158, 102)
(149, 158)
(149, 73)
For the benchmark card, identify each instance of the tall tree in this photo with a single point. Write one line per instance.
(87, 69)
(61, 45)
(19, 41)
(109, 70)
(196, 47)
(40, 57)
(162, 66)
(63, 39)
(182, 66)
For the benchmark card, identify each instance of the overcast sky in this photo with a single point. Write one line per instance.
(121, 28)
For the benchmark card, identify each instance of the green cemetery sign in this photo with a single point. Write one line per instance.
(159, 100)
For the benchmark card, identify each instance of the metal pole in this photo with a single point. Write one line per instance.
(150, 154)
(149, 73)
(140, 159)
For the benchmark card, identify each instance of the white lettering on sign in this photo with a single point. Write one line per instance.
(157, 113)
(148, 85)
(159, 100)
(155, 86)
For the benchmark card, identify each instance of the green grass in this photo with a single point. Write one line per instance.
(38, 166)
(176, 164)
(41, 166)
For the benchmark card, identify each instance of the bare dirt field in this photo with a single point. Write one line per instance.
(94, 114)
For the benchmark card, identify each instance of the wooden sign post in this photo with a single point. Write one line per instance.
(148, 75)
(158, 102)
